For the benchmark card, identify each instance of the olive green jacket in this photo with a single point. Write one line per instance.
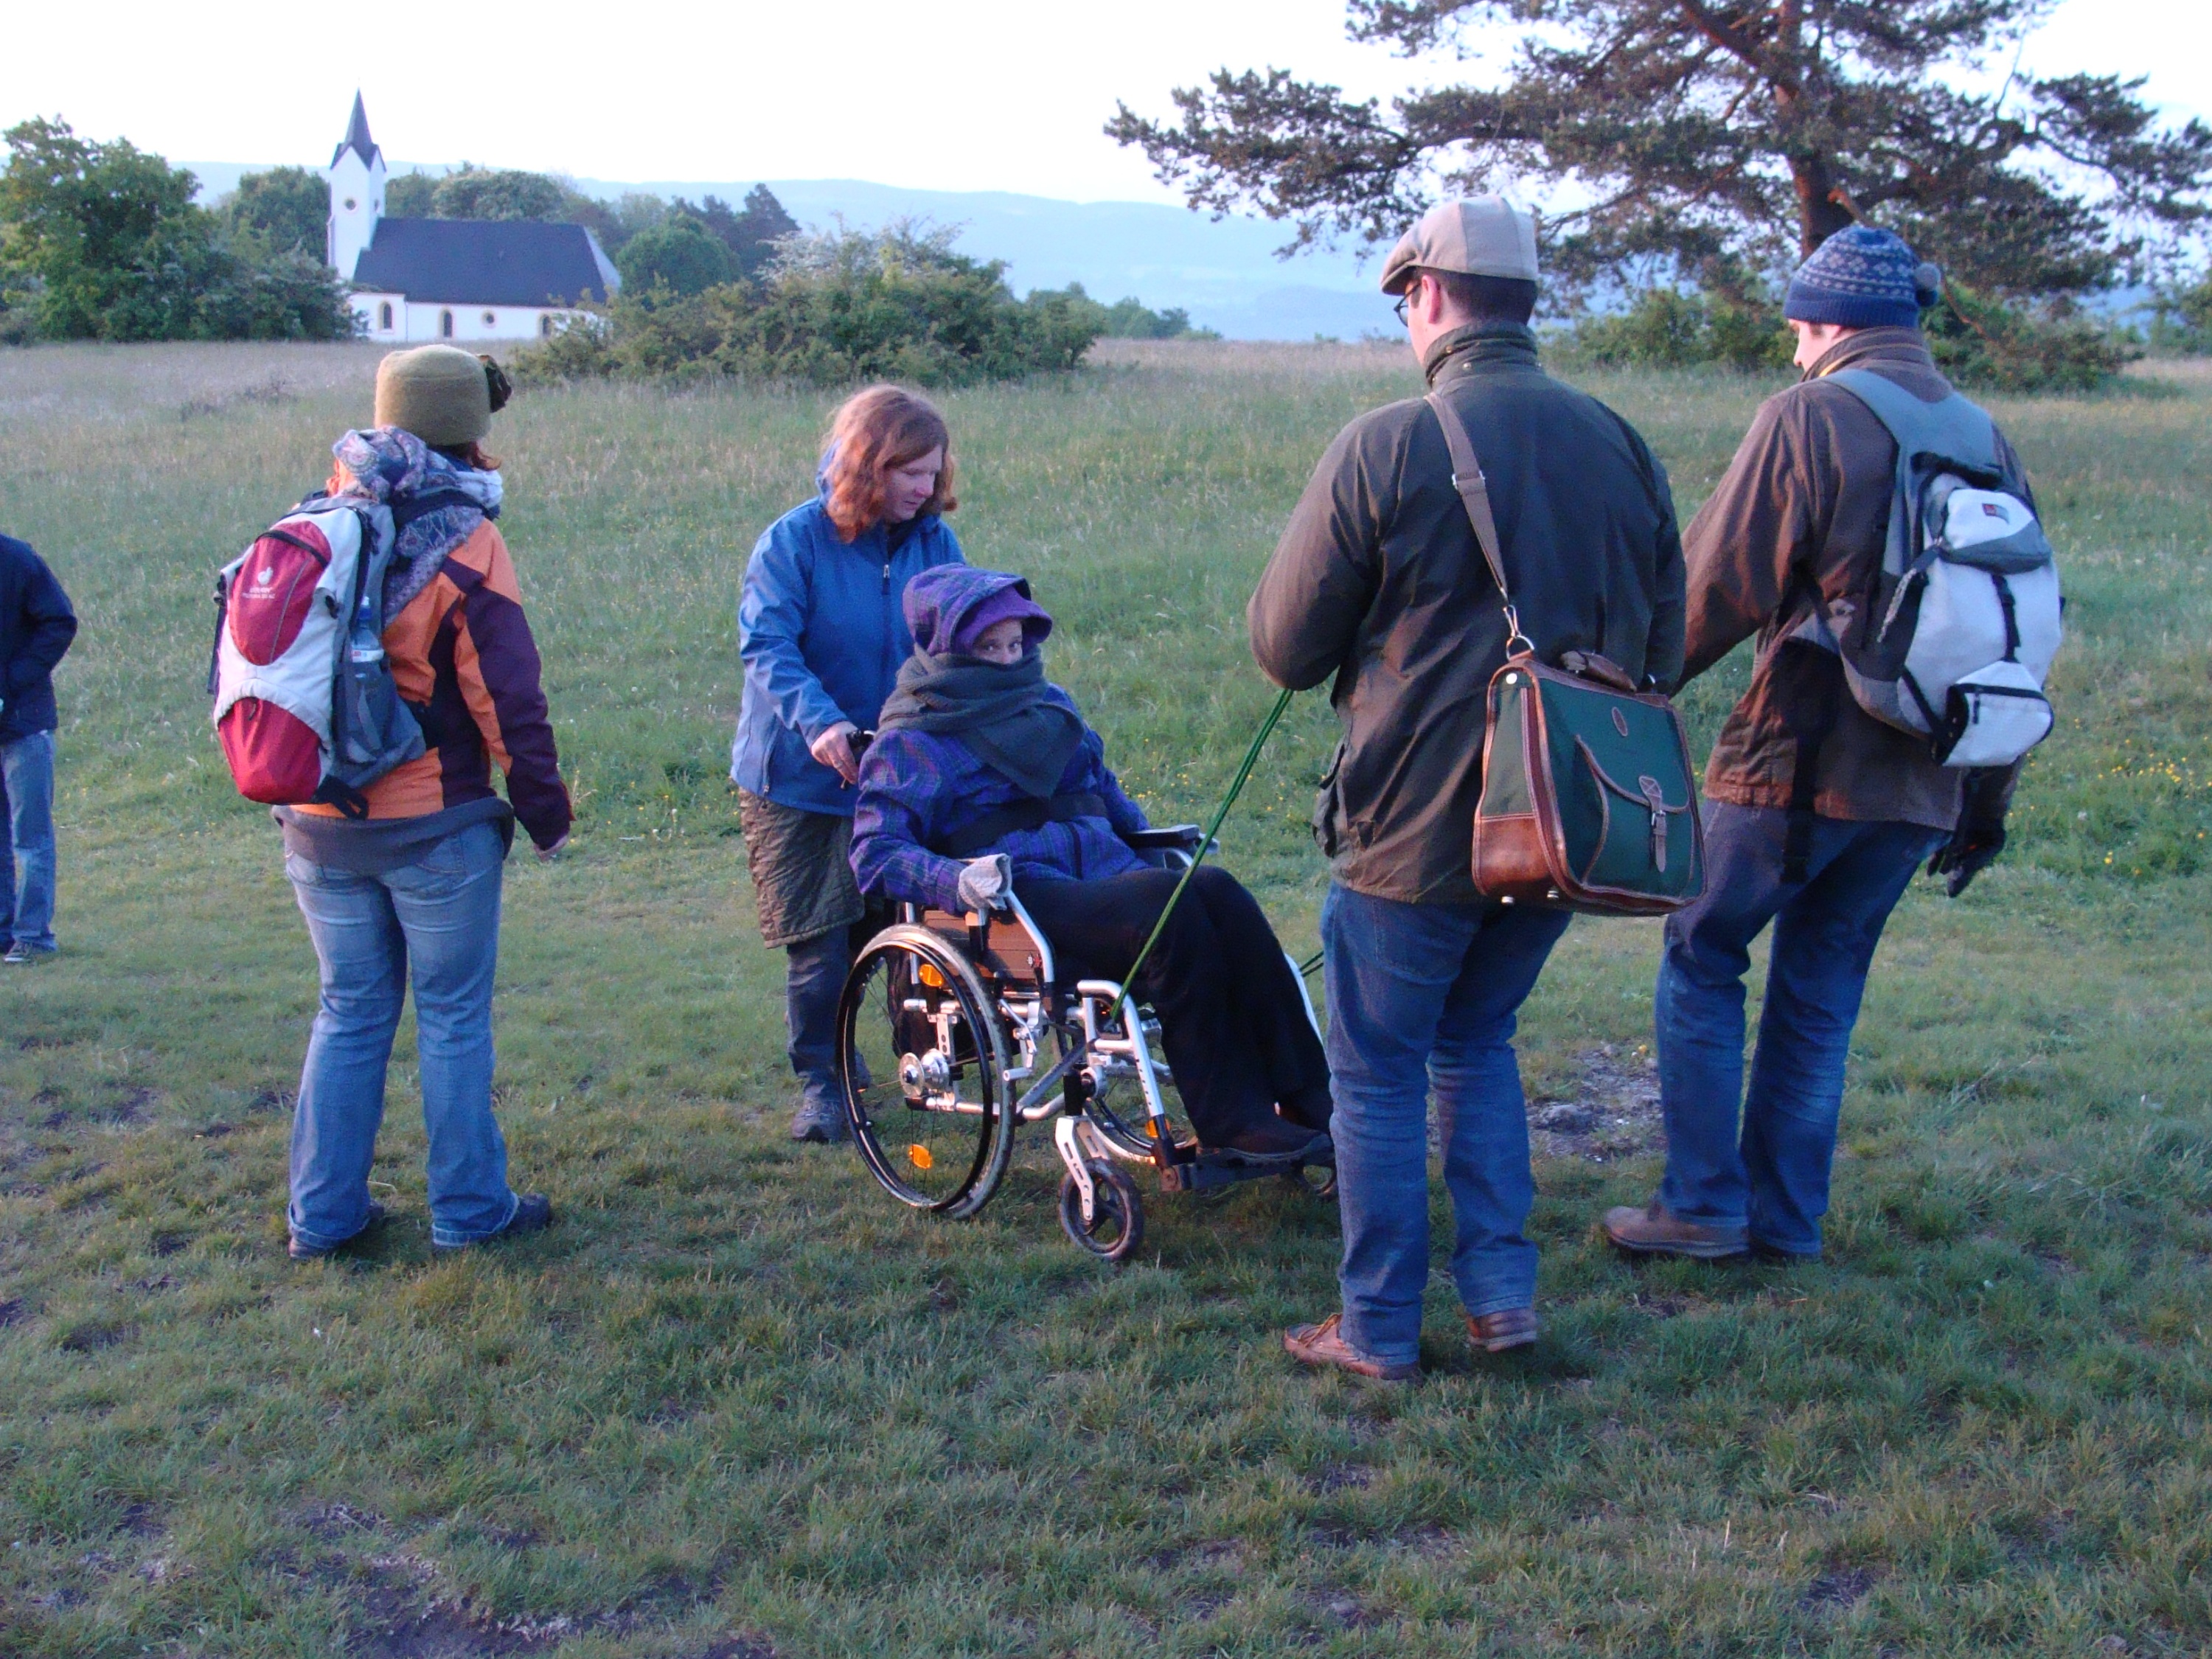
(1377, 581)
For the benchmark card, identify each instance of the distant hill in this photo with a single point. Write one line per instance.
(1224, 273)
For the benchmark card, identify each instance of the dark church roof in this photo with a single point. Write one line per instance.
(485, 262)
(357, 139)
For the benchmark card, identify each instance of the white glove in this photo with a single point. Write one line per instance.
(985, 882)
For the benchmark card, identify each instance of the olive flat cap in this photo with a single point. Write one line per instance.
(1480, 236)
(440, 393)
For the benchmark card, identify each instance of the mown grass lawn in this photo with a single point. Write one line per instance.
(733, 1404)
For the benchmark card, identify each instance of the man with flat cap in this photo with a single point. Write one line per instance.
(1379, 582)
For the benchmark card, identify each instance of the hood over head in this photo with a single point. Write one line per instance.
(948, 606)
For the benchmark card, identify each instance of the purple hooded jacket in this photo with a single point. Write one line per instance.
(917, 787)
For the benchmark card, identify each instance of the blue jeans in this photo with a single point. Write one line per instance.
(27, 850)
(1770, 1180)
(435, 921)
(1422, 998)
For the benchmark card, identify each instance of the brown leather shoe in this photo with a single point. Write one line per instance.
(1656, 1230)
(1324, 1344)
(1506, 1327)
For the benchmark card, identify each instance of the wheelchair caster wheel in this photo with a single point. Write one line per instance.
(1117, 1219)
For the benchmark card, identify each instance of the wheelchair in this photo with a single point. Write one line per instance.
(953, 1031)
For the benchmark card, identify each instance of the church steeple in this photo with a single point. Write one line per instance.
(357, 139)
(356, 175)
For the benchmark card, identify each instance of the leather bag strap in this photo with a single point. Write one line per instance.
(1474, 496)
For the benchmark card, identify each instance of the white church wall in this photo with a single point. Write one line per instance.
(462, 323)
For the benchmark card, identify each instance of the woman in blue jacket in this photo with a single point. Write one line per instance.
(821, 634)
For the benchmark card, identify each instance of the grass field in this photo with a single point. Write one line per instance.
(733, 1405)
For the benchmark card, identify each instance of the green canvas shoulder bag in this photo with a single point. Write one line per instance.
(1589, 802)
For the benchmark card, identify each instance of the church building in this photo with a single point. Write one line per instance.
(451, 279)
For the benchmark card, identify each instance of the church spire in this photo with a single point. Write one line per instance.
(357, 139)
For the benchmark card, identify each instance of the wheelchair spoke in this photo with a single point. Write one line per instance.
(925, 1085)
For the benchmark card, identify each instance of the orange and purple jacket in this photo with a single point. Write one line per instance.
(462, 652)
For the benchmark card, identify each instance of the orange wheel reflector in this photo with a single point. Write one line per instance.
(1152, 1128)
(919, 1156)
(929, 976)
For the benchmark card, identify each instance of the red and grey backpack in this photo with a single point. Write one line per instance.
(305, 703)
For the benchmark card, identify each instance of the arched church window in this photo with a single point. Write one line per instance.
(545, 326)
(445, 324)
(384, 315)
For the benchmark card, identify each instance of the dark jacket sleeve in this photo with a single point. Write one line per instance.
(1753, 532)
(1305, 614)
(495, 659)
(52, 625)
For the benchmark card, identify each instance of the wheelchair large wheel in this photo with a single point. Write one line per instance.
(923, 1057)
(1120, 1115)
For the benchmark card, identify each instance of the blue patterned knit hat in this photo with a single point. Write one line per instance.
(1862, 277)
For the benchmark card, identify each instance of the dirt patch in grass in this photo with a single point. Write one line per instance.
(1610, 1110)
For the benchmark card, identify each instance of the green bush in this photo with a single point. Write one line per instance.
(833, 309)
(1672, 328)
(1981, 342)
(289, 208)
(2181, 318)
(103, 242)
(1125, 319)
(675, 257)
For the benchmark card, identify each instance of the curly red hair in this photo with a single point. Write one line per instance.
(873, 433)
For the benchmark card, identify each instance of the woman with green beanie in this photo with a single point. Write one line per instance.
(410, 892)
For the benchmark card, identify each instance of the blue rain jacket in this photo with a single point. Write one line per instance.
(821, 634)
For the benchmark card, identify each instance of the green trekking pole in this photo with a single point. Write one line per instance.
(1236, 788)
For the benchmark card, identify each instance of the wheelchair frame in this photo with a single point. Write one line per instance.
(1064, 1048)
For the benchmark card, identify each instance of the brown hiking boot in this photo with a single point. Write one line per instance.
(1507, 1328)
(1324, 1344)
(1655, 1231)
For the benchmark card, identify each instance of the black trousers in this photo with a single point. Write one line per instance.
(1234, 1022)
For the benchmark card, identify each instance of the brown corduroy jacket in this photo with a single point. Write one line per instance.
(1806, 502)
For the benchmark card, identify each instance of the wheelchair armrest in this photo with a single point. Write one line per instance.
(1172, 838)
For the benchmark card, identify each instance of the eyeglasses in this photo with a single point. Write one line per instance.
(1406, 299)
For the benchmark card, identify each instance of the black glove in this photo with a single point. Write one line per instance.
(1980, 836)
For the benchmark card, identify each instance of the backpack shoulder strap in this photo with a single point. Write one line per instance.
(1956, 429)
(1474, 496)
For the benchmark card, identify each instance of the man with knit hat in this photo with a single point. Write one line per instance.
(1817, 814)
(1378, 582)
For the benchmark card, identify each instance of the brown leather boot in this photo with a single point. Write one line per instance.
(1504, 1328)
(1325, 1345)
(1656, 1230)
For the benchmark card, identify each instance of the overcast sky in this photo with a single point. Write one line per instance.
(957, 94)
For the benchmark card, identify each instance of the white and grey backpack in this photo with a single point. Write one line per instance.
(1953, 639)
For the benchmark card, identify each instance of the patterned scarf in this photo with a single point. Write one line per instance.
(436, 503)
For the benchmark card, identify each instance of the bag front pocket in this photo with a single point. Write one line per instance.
(1645, 841)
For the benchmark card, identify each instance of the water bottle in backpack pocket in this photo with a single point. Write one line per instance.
(1956, 640)
(305, 705)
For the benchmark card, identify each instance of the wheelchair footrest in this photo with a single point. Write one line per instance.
(1207, 1170)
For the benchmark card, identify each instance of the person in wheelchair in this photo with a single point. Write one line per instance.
(983, 775)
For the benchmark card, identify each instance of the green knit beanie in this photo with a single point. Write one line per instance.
(440, 393)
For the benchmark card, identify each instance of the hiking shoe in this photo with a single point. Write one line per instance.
(1324, 1344)
(300, 1251)
(1506, 1328)
(20, 953)
(1656, 1230)
(819, 1120)
(533, 1213)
